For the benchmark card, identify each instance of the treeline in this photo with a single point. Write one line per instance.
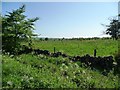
(60, 39)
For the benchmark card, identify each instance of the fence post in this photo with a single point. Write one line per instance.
(54, 49)
(95, 52)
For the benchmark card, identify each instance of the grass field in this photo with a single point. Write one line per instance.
(77, 47)
(39, 71)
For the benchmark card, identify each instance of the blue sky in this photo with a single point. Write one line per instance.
(67, 19)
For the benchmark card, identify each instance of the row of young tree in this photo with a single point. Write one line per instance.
(17, 27)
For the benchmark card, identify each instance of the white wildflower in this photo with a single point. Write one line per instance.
(31, 78)
(67, 77)
(10, 83)
(76, 65)
(66, 67)
(83, 72)
(63, 64)
(74, 76)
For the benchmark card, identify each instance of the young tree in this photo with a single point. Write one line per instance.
(113, 29)
(15, 28)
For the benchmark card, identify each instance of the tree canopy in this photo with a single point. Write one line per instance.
(15, 28)
(113, 29)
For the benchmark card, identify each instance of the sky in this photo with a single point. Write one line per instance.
(67, 19)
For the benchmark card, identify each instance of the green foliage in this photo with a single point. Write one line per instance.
(45, 72)
(117, 58)
(113, 29)
(46, 39)
(15, 28)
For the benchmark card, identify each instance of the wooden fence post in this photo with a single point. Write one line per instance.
(54, 49)
(95, 52)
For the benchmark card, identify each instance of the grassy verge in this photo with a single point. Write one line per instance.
(30, 71)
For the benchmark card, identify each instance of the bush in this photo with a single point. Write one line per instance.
(46, 39)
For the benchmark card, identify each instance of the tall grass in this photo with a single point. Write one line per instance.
(30, 71)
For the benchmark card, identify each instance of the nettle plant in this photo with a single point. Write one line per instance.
(16, 28)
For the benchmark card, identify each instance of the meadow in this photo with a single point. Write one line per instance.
(29, 62)
(80, 47)
(40, 71)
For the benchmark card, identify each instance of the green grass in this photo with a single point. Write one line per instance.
(30, 71)
(77, 47)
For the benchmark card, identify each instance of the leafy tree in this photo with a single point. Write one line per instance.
(46, 39)
(15, 28)
(113, 29)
